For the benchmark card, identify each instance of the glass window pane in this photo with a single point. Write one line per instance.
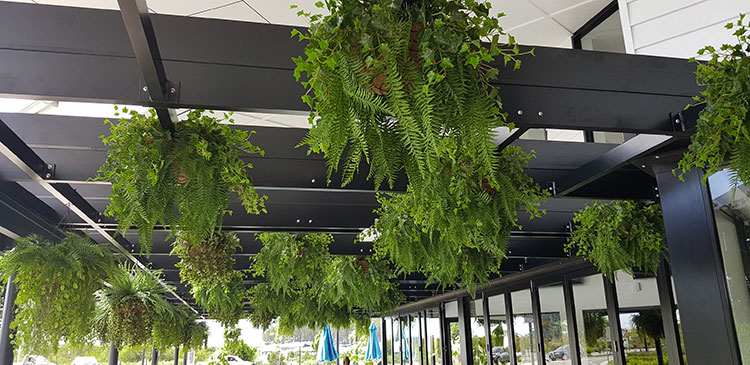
(478, 344)
(433, 337)
(592, 320)
(499, 329)
(732, 215)
(640, 318)
(606, 37)
(523, 325)
(554, 324)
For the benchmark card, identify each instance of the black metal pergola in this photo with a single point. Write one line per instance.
(168, 62)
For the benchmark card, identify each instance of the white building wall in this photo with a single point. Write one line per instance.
(677, 28)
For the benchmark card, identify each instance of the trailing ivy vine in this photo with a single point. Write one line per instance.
(306, 286)
(56, 282)
(620, 235)
(128, 307)
(181, 178)
(723, 130)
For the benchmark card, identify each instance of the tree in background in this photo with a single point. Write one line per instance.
(594, 326)
(235, 346)
(498, 336)
(648, 323)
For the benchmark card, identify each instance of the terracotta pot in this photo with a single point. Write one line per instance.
(379, 87)
(365, 266)
(487, 188)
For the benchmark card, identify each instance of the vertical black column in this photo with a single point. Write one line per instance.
(411, 338)
(393, 343)
(337, 346)
(511, 329)
(445, 353)
(487, 328)
(697, 267)
(9, 312)
(464, 331)
(615, 329)
(400, 341)
(422, 353)
(537, 314)
(570, 311)
(177, 355)
(384, 340)
(668, 315)
(114, 355)
(184, 356)
(154, 356)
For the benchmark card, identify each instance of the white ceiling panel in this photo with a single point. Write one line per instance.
(574, 18)
(280, 11)
(98, 4)
(555, 6)
(542, 33)
(237, 11)
(517, 13)
(183, 7)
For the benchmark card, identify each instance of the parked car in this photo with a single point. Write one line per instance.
(500, 355)
(561, 353)
(35, 360)
(231, 359)
(85, 360)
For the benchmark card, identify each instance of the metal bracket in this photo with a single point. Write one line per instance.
(171, 92)
(656, 193)
(686, 119)
(552, 188)
(48, 171)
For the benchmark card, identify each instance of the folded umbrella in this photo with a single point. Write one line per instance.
(373, 346)
(326, 348)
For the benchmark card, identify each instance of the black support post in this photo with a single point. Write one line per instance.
(384, 341)
(537, 314)
(177, 355)
(570, 311)
(184, 356)
(400, 340)
(445, 356)
(487, 327)
(464, 330)
(114, 355)
(668, 315)
(411, 338)
(511, 330)
(615, 329)
(154, 356)
(9, 311)
(697, 266)
(422, 354)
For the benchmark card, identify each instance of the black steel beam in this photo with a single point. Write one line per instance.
(570, 316)
(24, 158)
(669, 314)
(137, 22)
(18, 218)
(538, 335)
(571, 88)
(615, 327)
(617, 157)
(697, 266)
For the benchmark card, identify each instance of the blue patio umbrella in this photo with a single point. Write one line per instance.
(405, 344)
(373, 347)
(326, 347)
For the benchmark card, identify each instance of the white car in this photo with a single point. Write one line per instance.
(236, 360)
(35, 360)
(85, 360)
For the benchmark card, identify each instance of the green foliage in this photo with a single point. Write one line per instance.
(456, 226)
(387, 81)
(222, 301)
(723, 126)
(195, 335)
(181, 178)
(648, 323)
(56, 283)
(235, 346)
(170, 328)
(306, 286)
(620, 235)
(594, 327)
(209, 261)
(127, 309)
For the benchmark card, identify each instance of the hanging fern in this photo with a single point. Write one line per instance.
(56, 283)
(387, 80)
(455, 227)
(620, 235)
(306, 286)
(195, 335)
(209, 262)
(723, 131)
(223, 302)
(171, 326)
(182, 179)
(128, 307)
